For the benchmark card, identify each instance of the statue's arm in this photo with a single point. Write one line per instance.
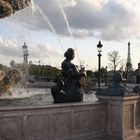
(72, 72)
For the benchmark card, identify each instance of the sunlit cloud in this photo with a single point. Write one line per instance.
(104, 16)
(106, 20)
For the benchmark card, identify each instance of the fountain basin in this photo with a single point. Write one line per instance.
(34, 97)
(73, 121)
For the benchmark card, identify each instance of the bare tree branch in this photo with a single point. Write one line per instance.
(114, 59)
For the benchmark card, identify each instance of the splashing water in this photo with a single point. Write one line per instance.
(66, 20)
(35, 7)
(19, 92)
(36, 97)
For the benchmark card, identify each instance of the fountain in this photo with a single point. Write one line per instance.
(7, 7)
(9, 79)
(14, 88)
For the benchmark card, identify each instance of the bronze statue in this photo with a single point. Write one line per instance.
(116, 88)
(68, 88)
(7, 7)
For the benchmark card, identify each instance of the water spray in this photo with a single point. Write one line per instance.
(67, 23)
(49, 23)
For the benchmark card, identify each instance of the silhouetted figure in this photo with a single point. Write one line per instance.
(116, 88)
(68, 88)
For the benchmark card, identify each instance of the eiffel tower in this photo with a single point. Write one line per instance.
(129, 67)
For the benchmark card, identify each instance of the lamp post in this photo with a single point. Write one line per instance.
(106, 76)
(99, 49)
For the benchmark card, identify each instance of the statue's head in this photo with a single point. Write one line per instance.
(69, 54)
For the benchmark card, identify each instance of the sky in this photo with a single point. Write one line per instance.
(50, 27)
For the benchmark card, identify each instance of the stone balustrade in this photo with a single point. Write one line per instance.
(73, 121)
(123, 117)
(112, 118)
(137, 116)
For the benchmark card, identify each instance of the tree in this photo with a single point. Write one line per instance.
(114, 59)
(122, 69)
(90, 73)
(103, 73)
(41, 70)
(13, 63)
(2, 67)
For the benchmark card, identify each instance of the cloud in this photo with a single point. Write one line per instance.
(43, 50)
(68, 3)
(46, 53)
(8, 48)
(114, 19)
(107, 20)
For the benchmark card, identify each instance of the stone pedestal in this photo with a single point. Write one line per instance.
(121, 117)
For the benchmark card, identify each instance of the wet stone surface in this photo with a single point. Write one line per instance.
(35, 96)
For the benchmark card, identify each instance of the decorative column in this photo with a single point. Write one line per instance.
(25, 60)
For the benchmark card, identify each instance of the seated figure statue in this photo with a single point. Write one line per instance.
(68, 88)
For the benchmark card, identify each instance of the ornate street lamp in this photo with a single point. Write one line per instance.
(99, 49)
(106, 76)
